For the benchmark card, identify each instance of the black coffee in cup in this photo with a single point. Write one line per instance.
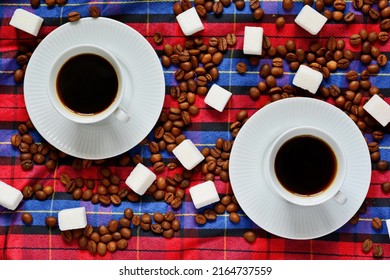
(305, 165)
(87, 84)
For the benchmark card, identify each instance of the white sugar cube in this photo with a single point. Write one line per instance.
(253, 40)
(217, 97)
(189, 22)
(204, 194)
(188, 155)
(310, 20)
(378, 109)
(388, 227)
(307, 78)
(26, 21)
(72, 218)
(140, 179)
(9, 196)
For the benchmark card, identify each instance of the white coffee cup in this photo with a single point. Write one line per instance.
(332, 191)
(114, 108)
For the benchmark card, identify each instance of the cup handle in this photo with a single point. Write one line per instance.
(121, 114)
(340, 198)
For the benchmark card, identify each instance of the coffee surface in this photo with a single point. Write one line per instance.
(87, 84)
(305, 165)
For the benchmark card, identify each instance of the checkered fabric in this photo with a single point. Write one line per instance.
(220, 239)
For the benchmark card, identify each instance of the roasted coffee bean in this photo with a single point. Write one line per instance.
(39, 159)
(35, 3)
(177, 8)
(169, 216)
(222, 44)
(375, 156)
(382, 165)
(41, 195)
(376, 223)
(219, 208)
(18, 76)
(125, 233)
(113, 225)
(217, 8)
(94, 11)
(385, 12)
(385, 24)
(383, 36)
(83, 241)
(241, 67)
(136, 220)
(382, 60)
(103, 230)
(16, 140)
(88, 230)
(25, 156)
(378, 251)
(355, 39)
(74, 16)
(351, 75)
(76, 233)
(106, 238)
(77, 194)
(175, 225)
(279, 22)
(122, 244)
(234, 217)
(61, 2)
(382, 4)
(146, 218)
(168, 233)
(258, 13)
(367, 245)
(67, 236)
(385, 187)
(27, 192)
(200, 219)
(157, 37)
(101, 248)
(349, 17)
(92, 247)
(210, 215)
(27, 139)
(378, 135)
(373, 147)
(250, 236)
(104, 200)
(287, 4)
(27, 218)
(343, 63)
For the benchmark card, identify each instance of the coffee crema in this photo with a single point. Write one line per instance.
(87, 84)
(305, 165)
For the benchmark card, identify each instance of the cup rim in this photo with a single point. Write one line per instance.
(317, 198)
(57, 64)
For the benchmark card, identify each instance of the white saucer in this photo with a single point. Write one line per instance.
(262, 204)
(143, 100)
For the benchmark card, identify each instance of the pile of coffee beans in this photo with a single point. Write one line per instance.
(38, 191)
(368, 245)
(202, 6)
(241, 118)
(35, 4)
(216, 161)
(115, 235)
(107, 192)
(22, 58)
(227, 204)
(32, 152)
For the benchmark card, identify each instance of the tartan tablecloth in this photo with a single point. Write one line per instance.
(220, 239)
